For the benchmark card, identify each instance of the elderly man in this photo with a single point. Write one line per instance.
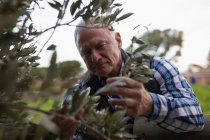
(167, 100)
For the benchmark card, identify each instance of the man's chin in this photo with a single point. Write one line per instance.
(102, 73)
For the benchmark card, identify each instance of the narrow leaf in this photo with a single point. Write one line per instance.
(58, 4)
(124, 16)
(114, 15)
(141, 48)
(117, 4)
(74, 6)
(54, 6)
(51, 47)
(35, 64)
(139, 41)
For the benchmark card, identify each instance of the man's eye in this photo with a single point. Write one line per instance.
(85, 53)
(100, 46)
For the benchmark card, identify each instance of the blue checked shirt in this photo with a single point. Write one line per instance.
(176, 108)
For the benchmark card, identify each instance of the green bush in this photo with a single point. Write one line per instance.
(203, 94)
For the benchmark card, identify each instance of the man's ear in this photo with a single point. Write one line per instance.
(118, 39)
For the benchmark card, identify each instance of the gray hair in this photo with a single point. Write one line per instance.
(90, 23)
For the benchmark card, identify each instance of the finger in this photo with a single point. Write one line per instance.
(69, 131)
(129, 82)
(71, 127)
(126, 102)
(68, 123)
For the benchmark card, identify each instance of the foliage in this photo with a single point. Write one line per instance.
(203, 95)
(100, 124)
(159, 43)
(22, 81)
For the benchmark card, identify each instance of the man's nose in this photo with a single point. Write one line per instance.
(95, 56)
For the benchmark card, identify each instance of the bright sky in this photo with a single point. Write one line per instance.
(190, 16)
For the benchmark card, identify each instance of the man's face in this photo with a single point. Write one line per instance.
(100, 50)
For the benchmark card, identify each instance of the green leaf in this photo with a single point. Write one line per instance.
(79, 13)
(30, 27)
(74, 6)
(33, 58)
(53, 5)
(147, 56)
(26, 3)
(87, 15)
(58, 3)
(117, 4)
(79, 99)
(51, 47)
(115, 14)
(136, 40)
(36, 3)
(118, 83)
(124, 16)
(104, 5)
(140, 48)
(35, 64)
(141, 78)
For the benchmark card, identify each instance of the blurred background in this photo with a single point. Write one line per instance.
(39, 61)
(188, 18)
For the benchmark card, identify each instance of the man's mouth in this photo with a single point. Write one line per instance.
(99, 65)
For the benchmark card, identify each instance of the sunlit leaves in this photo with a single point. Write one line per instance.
(137, 65)
(105, 12)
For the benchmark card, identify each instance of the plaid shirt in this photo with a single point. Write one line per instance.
(176, 108)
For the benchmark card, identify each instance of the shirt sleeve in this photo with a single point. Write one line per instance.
(176, 108)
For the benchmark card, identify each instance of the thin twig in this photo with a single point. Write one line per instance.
(48, 38)
(66, 24)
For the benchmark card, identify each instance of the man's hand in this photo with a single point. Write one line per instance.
(136, 100)
(68, 124)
